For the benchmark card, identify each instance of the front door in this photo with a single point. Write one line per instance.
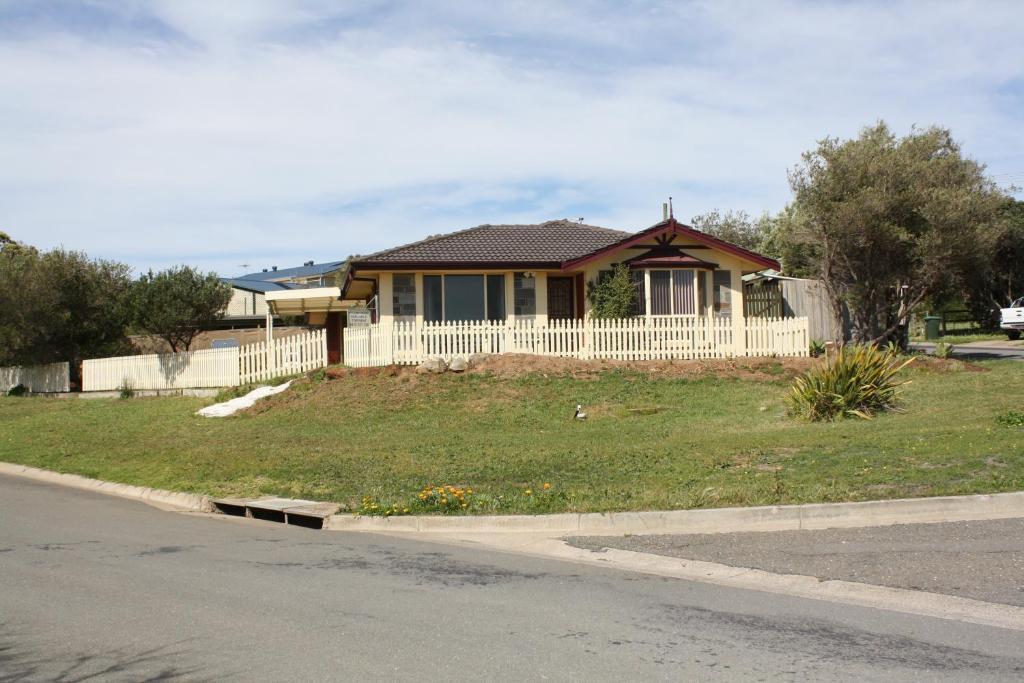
(560, 298)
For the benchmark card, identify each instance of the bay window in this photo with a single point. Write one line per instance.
(673, 292)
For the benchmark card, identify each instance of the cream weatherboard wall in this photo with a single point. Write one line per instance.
(246, 304)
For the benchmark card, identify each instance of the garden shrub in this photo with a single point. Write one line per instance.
(859, 381)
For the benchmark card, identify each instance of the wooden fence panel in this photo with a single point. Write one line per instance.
(39, 379)
(192, 370)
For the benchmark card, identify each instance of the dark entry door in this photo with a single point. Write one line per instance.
(560, 298)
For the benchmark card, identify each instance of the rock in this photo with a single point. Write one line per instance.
(459, 364)
(478, 358)
(434, 365)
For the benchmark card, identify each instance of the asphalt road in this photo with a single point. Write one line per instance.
(977, 350)
(95, 587)
(981, 560)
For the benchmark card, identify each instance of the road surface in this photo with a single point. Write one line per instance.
(991, 350)
(96, 587)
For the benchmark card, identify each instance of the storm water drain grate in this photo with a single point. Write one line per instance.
(304, 513)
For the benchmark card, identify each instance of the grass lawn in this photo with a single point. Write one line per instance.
(649, 442)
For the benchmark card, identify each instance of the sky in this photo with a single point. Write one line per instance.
(238, 135)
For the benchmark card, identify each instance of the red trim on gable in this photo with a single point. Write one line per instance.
(672, 225)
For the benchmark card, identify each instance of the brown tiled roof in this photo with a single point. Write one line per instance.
(549, 242)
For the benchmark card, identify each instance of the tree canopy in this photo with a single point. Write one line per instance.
(885, 222)
(178, 303)
(60, 306)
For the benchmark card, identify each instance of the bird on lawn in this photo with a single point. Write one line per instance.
(580, 415)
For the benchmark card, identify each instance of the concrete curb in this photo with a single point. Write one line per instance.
(934, 605)
(180, 501)
(713, 521)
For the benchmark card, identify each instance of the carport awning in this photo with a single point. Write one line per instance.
(312, 300)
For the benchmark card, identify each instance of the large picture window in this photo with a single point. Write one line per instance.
(462, 298)
(495, 297)
(433, 303)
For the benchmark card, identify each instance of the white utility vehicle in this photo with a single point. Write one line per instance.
(1012, 319)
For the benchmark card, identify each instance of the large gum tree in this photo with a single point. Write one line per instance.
(889, 222)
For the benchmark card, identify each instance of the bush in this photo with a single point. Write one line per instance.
(127, 390)
(858, 382)
(817, 348)
(18, 390)
(943, 350)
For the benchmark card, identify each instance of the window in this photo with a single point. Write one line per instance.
(682, 292)
(433, 307)
(723, 293)
(496, 297)
(661, 302)
(672, 292)
(702, 292)
(403, 296)
(639, 303)
(524, 294)
(464, 297)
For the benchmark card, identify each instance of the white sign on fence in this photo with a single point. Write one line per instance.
(359, 317)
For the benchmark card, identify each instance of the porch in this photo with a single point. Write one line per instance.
(630, 339)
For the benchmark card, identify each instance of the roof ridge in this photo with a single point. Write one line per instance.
(433, 238)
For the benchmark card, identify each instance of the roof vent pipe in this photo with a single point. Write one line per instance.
(664, 211)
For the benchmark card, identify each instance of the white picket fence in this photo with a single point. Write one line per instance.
(655, 338)
(287, 356)
(39, 379)
(208, 368)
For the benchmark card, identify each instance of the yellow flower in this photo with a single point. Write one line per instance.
(529, 492)
(546, 486)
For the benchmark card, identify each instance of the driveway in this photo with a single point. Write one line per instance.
(95, 586)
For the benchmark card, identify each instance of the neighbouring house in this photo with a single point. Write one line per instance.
(537, 274)
(309, 274)
(248, 305)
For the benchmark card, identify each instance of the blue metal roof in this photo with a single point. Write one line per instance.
(300, 271)
(258, 285)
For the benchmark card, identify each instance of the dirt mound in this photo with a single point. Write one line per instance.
(514, 365)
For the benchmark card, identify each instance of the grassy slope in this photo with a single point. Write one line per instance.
(704, 442)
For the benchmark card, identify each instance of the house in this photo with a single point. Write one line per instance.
(539, 274)
(309, 274)
(248, 305)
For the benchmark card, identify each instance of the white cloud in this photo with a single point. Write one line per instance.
(276, 132)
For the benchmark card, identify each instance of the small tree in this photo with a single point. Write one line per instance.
(613, 297)
(888, 222)
(178, 303)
